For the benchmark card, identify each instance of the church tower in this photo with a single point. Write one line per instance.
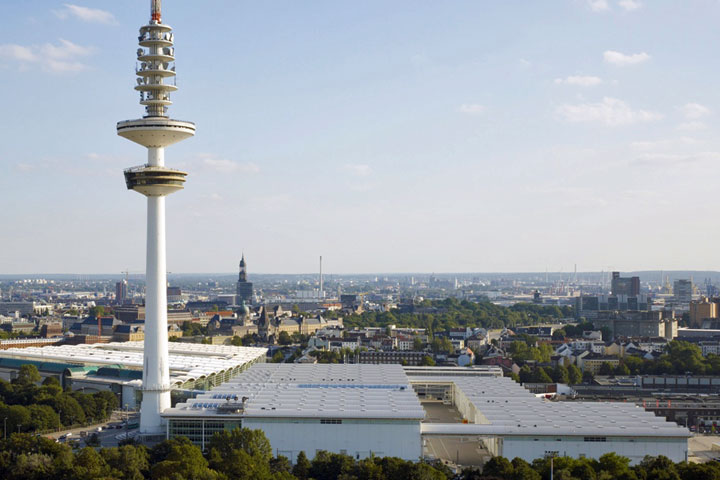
(244, 288)
(243, 270)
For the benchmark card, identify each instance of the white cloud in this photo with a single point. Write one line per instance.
(17, 52)
(598, 5)
(223, 165)
(664, 144)
(693, 111)
(62, 57)
(675, 159)
(24, 167)
(579, 80)
(622, 60)
(630, 5)
(359, 169)
(471, 108)
(610, 112)
(692, 126)
(89, 15)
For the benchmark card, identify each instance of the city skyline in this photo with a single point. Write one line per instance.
(387, 138)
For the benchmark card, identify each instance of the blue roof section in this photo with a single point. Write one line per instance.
(119, 372)
(54, 367)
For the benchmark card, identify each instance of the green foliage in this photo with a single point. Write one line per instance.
(574, 375)
(27, 375)
(278, 357)
(440, 315)
(284, 338)
(29, 407)
(427, 361)
(97, 311)
(247, 454)
(522, 352)
(192, 329)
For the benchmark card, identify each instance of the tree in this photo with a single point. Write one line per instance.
(541, 376)
(284, 338)
(182, 460)
(574, 375)
(329, 466)
(613, 464)
(621, 369)
(89, 465)
(427, 361)
(418, 344)
(302, 466)
(278, 357)
(97, 311)
(498, 467)
(131, 461)
(28, 375)
(241, 453)
(560, 374)
(606, 369)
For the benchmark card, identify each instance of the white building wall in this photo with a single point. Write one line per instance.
(357, 438)
(635, 448)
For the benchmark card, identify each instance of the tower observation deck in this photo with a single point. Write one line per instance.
(155, 131)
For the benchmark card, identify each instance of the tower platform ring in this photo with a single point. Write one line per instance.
(155, 132)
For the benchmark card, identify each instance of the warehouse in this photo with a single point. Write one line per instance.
(356, 409)
(364, 410)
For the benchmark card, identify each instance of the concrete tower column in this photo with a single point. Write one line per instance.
(155, 131)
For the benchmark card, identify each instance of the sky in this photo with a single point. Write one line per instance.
(386, 136)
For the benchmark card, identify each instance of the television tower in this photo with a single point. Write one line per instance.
(155, 131)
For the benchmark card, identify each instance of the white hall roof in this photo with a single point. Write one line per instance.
(188, 361)
(314, 391)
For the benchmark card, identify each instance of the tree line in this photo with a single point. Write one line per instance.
(244, 454)
(610, 466)
(238, 454)
(441, 315)
(26, 406)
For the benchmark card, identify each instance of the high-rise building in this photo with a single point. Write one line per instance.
(155, 131)
(121, 292)
(244, 288)
(683, 290)
(629, 286)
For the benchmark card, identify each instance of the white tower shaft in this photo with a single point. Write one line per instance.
(156, 371)
(155, 131)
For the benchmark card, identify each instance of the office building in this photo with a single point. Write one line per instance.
(683, 291)
(628, 286)
(121, 292)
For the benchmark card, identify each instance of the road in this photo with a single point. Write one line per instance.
(106, 435)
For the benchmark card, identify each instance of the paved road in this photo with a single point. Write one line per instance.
(106, 435)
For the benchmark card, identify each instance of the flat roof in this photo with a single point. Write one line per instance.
(504, 404)
(188, 361)
(313, 391)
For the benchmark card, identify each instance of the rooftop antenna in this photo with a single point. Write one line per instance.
(320, 291)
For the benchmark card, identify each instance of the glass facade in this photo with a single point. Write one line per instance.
(199, 431)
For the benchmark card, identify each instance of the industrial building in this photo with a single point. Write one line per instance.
(364, 410)
(117, 367)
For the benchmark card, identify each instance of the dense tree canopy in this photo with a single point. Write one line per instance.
(29, 407)
(440, 315)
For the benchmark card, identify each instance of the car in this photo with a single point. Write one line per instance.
(83, 434)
